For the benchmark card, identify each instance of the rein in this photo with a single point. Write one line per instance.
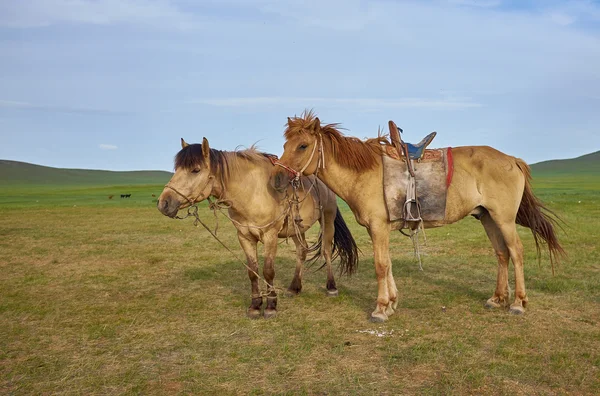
(197, 220)
(188, 200)
(220, 204)
(295, 182)
(296, 174)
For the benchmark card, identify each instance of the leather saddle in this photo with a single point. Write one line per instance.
(409, 150)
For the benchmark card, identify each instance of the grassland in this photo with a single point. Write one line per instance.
(15, 173)
(107, 296)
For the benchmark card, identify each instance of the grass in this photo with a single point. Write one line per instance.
(107, 296)
(15, 173)
(588, 164)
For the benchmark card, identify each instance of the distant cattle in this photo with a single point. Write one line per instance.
(153, 196)
(110, 196)
(125, 195)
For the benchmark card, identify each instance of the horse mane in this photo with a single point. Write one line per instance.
(350, 152)
(222, 163)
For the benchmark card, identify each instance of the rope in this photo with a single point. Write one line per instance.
(414, 236)
(411, 199)
(221, 204)
(197, 221)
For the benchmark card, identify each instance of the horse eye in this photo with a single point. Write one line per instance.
(196, 170)
(303, 146)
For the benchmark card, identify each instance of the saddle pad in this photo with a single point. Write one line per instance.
(431, 180)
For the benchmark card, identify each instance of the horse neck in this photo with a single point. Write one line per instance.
(343, 181)
(237, 188)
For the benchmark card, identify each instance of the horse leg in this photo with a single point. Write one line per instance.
(327, 248)
(296, 285)
(380, 236)
(270, 242)
(392, 290)
(515, 249)
(500, 297)
(249, 247)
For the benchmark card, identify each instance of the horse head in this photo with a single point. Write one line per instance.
(192, 181)
(302, 151)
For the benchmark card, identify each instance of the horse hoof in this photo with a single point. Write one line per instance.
(517, 310)
(491, 304)
(378, 317)
(270, 313)
(389, 310)
(332, 293)
(292, 293)
(253, 313)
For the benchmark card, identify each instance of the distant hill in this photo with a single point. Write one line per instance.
(15, 172)
(586, 164)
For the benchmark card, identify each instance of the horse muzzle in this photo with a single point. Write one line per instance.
(280, 180)
(168, 205)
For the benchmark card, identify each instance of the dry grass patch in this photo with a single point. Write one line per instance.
(107, 299)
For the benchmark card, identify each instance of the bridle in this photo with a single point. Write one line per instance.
(296, 174)
(187, 199)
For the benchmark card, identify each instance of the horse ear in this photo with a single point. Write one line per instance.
(289, 121)
(205, 149)
(317, 125)
(183, 143)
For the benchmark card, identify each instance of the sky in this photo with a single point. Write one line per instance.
(114, 84)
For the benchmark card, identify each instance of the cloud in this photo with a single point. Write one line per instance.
(39, 13)
(342, 15)
(369, 103)
(11, 104)
(477, 3)
(562, 18)
(107, 146)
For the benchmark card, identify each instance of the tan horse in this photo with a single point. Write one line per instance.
(259, 213)
(490, 185)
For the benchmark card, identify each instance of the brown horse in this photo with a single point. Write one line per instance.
(240, 180)
(492, 186)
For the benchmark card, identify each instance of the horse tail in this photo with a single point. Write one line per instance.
(344, 246)
(536, 216)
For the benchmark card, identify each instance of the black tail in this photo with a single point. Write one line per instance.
(344, 247)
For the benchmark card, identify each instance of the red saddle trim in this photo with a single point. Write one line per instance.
(450, 171)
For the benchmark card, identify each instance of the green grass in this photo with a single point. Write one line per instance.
(585, 165)
(22, 173)
(107, 296)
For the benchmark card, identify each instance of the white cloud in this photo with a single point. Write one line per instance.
(562, 18)
(11, 104)
(440, 104)
(107, 146)
(477, 3)
(38, 13)
(344, 15)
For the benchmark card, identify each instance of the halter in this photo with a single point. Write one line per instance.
(188, 200)
(296, 174)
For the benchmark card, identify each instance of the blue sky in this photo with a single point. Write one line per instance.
(114, 84)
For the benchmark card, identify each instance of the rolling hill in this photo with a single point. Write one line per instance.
(588, 164)
(23, 173)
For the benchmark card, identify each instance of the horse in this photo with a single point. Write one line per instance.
(239, 180)
(492, 186)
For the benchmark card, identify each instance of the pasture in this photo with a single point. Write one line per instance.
(108, 296)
